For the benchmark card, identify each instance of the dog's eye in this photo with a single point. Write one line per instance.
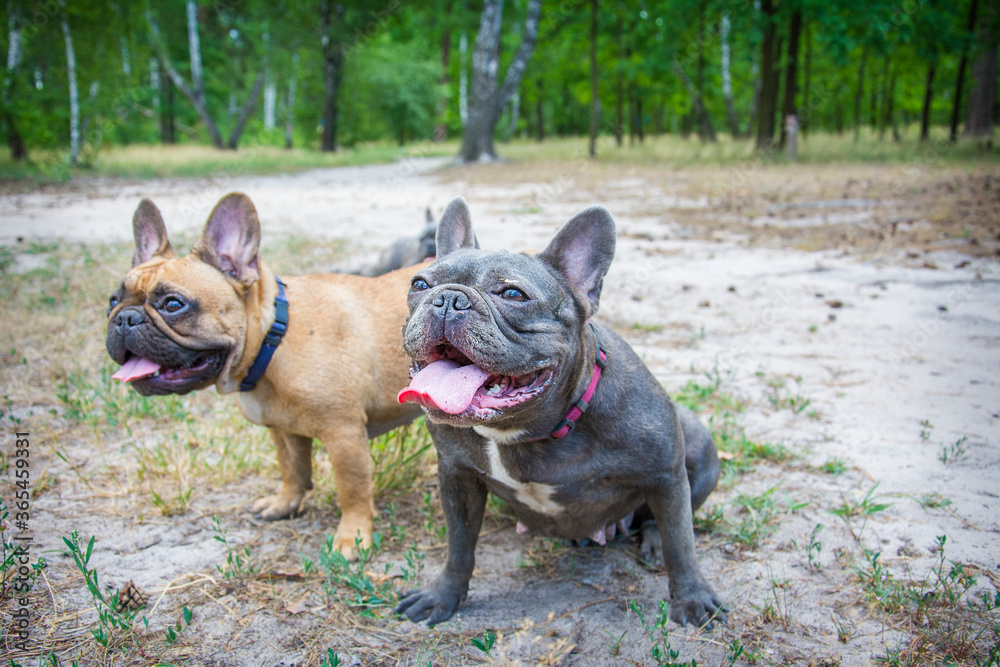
(172, 305)
(512, 294)
(419, 285)
(112, 302)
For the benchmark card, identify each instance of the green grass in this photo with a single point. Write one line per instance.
(737, 451)
(669, 151)
(190, 160)
(824, 148)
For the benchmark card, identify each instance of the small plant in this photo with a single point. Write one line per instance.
(331, 659)
(114, 622)
(486, 643)
(708, 520)
(239, 562)
(930, 501)
(833, 467)
(759, 513)
(954, 453)
(182, 623)
(399, 457)
(656, 630)
(435, 529)
(865, 509)
(736, 649)
(615, 646)
(414, 563)
(814, 548)
(365, 592)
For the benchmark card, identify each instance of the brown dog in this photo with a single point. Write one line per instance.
(178, 324)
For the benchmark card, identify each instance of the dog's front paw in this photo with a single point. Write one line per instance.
(700, 607)
(278, 506)
(436, 603)
(350, 536)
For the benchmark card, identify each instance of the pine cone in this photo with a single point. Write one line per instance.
(131, 597)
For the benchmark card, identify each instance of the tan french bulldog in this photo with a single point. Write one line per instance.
(179, 324)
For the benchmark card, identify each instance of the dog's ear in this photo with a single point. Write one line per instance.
(582, 252)
(455, 229)
(231, 239)
(150, 234)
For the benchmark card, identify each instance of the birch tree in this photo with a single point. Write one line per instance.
(488, 95)
(195, 92)
(74, 93)
(15, 51)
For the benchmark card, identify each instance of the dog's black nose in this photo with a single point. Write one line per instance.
(128, 318)
(456, 300)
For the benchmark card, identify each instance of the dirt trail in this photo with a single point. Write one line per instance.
(877, 353)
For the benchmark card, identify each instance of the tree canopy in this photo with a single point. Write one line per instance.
(323, 75)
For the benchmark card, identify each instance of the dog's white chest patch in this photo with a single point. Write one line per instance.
(533, 494)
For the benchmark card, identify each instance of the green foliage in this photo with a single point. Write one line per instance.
(350, 582)
(114, 624)
(239, 563)
(396, 94)
(660, 650)
(390, 77)
(486, 643)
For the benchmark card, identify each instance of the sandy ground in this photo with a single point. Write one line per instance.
(857, 303)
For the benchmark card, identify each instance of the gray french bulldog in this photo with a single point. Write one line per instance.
(405, 252)
(503, 348)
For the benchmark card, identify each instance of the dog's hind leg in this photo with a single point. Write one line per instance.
(295, 462)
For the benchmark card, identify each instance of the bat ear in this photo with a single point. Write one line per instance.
(231, 239)
(150, 234)
(582, 252)
(455, 229)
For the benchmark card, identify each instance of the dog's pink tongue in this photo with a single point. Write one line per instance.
(136, 368)
(445, 385)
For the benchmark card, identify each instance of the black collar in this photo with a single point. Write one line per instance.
(271, 340)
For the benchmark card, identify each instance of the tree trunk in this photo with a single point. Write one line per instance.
(195, 93)
(619, 84)
(126, 57)
(290, 102)
(74, 93)
(887, 76)
(595, 103)
(890, 116)
(982, 105)
(727, 82)
(270, 103)
(769, 88)
(925, 116)
(860, 94)
(463, 78)
(234, 137)
(640, 120)
(441, 130)
(18, 149)
(788, 107)
(165, 104)
(488, 96)
(705, 129)
(700, 75)
(806, 87)
(540, 112)
(956, 103)
(333, 59)
(631, 114)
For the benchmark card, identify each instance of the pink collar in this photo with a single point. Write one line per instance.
(566, 426)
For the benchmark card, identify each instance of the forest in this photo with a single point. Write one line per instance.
(322, 75)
